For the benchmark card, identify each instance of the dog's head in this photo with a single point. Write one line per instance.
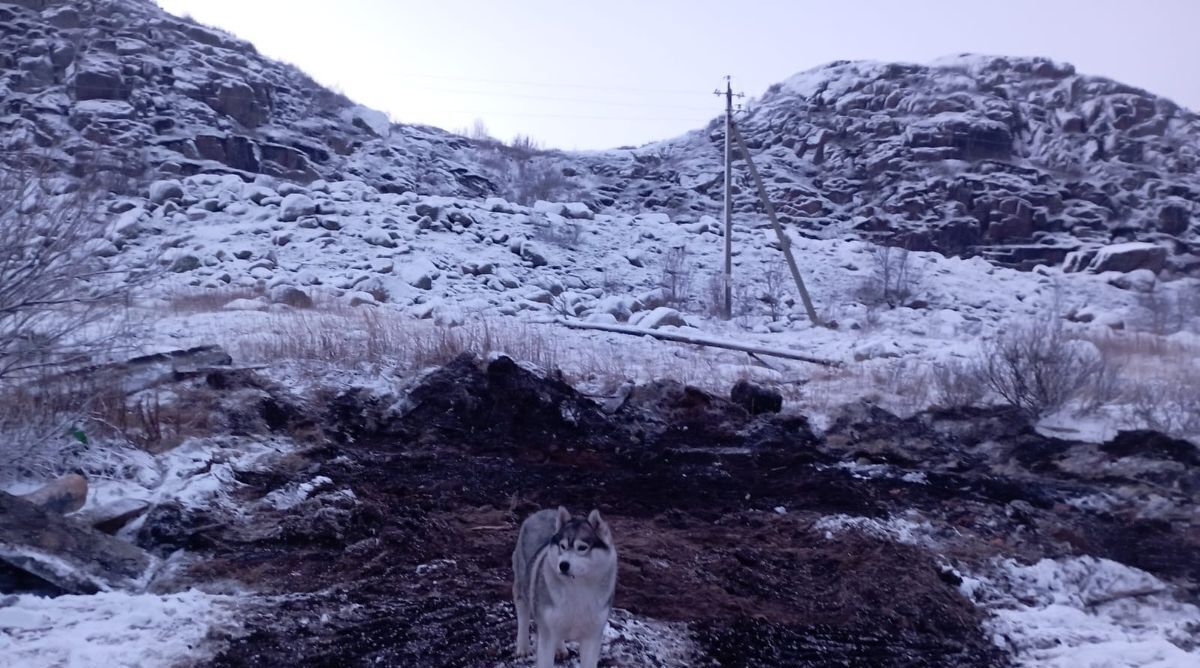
(583, 548)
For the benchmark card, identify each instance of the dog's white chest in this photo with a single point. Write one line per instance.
(577, 612)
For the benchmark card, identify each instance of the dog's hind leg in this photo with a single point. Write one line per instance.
(522, 607)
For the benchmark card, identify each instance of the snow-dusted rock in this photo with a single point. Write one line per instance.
(663, 316)
(101, 248)
(620, 307)
(577, 210)
(246, 305)
(127, 224)
(530, 251)
(258, 193)
(379, 237)
(419, 273)
(296, 205)
(601, 319)
(375, 122)
(290, 295)
(1138, 280)
(361, 298)
(166, 190)
(499, 205)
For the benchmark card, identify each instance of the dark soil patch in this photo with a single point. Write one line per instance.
(413, 568)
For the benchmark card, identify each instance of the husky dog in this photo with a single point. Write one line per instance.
(564, 576)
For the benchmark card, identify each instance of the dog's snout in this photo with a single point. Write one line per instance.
(564, 567)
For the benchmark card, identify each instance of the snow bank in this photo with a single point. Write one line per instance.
(1086, 612)
(110, 629)
(899, 529)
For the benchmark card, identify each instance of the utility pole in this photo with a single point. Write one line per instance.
(784, 242)
(727, 307)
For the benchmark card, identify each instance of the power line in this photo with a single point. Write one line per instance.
(251, 98)
(555, 99)
(501, 82)
(578, 116)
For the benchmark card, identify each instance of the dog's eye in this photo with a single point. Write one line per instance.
(563, 546)
(582, 547)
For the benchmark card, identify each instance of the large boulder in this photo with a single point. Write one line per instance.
(1174, 217)
(64, 495)
(238, 101)
(1129, 256)
(969, 136)
(69, 555)
(286, 162)
(98, 80)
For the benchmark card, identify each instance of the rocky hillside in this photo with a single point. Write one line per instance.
(122, 86)
(1018, 160)
(1021, 161)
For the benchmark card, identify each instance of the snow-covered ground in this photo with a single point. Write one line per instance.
(1079, 612)
(499, 275)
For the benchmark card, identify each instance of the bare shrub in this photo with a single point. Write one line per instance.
(906, 380)
(1036, 368)
(537, 181)
(1169, 403)
(714, 294)
(148, 421)
(774, 290)
(524, 147)
(1166, 310)
(958, 384)
(37, 421)
(202, 300)
(370, 336)
(60, 303)
(676, 277)
(479, 131)
(894, 277)
(54, 288)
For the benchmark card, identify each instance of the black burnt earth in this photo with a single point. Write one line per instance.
(716, 512)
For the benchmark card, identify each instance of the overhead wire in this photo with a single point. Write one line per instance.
(501, 82)
(557, 99)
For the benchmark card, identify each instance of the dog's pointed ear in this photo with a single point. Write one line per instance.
(603, 531)
(561, 518)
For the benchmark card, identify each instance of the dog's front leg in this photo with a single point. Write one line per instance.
(589, 650)
(547, 644)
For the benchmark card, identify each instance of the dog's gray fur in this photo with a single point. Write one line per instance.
(564, 577)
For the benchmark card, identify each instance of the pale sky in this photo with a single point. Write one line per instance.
(576, 74)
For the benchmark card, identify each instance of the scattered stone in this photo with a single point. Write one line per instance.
(185, 263)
